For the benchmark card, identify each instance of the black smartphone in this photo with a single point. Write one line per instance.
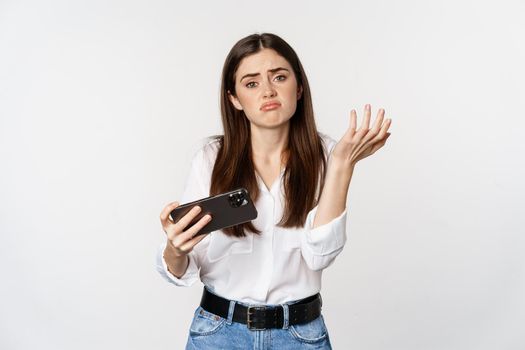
(226, 210)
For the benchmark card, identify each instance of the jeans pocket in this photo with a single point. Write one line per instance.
(205, 323)
(312, 332)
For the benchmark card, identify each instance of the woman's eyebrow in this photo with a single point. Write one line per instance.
(269, 70)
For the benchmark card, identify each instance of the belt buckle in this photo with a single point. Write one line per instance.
(250, 321)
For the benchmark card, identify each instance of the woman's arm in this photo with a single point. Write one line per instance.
(333, 196)
(353, 146)
(177, 262)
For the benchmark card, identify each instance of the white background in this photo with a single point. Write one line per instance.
(102, 103)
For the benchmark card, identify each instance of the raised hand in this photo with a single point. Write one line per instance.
(363, 142)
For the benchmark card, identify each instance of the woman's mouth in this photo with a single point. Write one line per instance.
(270, 106)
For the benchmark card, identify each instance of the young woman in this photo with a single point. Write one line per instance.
(262, 279)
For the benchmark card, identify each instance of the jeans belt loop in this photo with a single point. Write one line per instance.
(286, 316)
(230, 312)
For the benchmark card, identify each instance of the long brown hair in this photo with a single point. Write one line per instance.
(306, 164)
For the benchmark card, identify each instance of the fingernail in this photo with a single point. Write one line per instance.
(367, 106)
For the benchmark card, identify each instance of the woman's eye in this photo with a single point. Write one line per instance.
(252, 84)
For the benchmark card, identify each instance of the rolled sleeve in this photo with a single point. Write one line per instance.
(320, 245)
(190, 276)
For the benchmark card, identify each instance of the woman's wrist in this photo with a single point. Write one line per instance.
(342, 169)
(177, 264)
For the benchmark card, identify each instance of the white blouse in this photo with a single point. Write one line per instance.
(276, 266)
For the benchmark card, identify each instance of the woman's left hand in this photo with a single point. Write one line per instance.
(358, 144)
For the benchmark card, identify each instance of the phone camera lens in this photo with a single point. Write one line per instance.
(237, 199)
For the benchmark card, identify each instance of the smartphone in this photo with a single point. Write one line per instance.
(226, 210)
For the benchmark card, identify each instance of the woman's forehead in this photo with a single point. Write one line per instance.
(262, 61)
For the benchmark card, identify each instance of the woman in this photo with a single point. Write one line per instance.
(262, 279)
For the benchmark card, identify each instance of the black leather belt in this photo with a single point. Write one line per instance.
(264, 317)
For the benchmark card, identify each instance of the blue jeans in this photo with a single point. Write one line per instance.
(209, 331)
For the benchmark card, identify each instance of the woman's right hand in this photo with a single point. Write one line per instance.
(180, 241)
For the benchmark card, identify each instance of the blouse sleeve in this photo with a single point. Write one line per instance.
(194, 189)
(190, 276)
(321, 245)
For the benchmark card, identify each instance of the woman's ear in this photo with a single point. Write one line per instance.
(299, 92)
(234, 100)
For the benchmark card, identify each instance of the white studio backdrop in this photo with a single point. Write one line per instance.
(102, 103)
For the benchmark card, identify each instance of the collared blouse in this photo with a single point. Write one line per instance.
(276, 266)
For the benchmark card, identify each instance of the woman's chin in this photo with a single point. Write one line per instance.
(270, 124)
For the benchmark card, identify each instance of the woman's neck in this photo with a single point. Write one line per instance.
(269, 144)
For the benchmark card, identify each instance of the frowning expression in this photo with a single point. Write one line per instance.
(266, 89)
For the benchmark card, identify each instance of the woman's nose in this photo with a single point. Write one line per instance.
(269, 90)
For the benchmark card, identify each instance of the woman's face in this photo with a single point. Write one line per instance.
(262, 78)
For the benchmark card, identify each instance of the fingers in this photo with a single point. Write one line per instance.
(188, 246)
(380, 127)
(379, 145)
(166, 212)
(372, 148)
(349, 135)
(199, 225)
(183, 241)
(174, 229)
(353, 121)
(186, 219)
(360, 139)
(382, 135)
(377, 126)
(379, 119)
(365, 124)
(369, 137)
(183, 237)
